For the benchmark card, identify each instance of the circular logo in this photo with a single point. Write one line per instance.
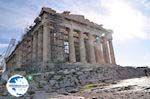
(17, 85)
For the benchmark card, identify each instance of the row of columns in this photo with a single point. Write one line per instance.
(101, 52)
(37, 46)
(41, 47)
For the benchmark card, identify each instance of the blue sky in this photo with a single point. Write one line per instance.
(129, 19)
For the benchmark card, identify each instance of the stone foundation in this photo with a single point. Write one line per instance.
(68, 78)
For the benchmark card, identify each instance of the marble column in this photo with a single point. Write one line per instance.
(72, 57)
(40, 35)
(82, 48)
(46, 45)
(91, 49)
(34, 48)
(97, 57)
(112, 55)
(105, 50)
(100, 54)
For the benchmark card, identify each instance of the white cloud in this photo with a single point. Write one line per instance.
(16, 16)
(118, 15)
(145, 3)
(125, 20)
(2, 25)
(3, 45)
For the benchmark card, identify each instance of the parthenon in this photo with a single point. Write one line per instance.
(63, 37)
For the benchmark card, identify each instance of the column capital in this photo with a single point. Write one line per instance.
(45, 24)
(83, 34)
(109, 35)
(91, 37)
(103, 39)
(100, 39)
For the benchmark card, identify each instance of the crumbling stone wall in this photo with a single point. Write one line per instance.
(71, 77)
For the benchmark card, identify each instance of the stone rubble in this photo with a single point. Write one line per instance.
(67, 79)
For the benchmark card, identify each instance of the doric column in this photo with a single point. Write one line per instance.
(112, 55)
(97, 57)
(111, 50)
(72, 57)
(40, 45)
(105, 50)
(34, 47)
(100, 54)
(82, 48)
(46, 46)
(91, 49)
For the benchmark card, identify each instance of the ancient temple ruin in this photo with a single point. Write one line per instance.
(63, 37)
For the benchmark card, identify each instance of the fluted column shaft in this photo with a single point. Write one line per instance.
(46, 46)
(72, 57)
(40, 45)
(112, 55)
(99, 45)
(34, 48)
(82, 48)
(91, 49)
(105, 50)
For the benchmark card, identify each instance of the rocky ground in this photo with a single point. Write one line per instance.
(80, 81)
(137, 88)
